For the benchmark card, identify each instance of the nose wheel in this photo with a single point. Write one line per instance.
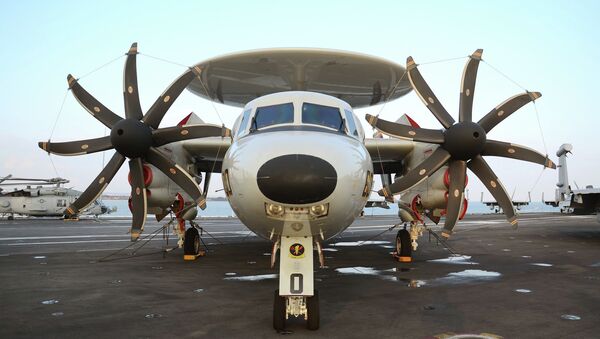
(283, 305)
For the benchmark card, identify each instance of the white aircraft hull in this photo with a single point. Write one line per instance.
(347, 155)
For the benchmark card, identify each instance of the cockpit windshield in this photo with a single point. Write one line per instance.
(322, 115)
(273, 115)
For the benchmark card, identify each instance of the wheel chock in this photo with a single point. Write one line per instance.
(401, 258)
(190, 257)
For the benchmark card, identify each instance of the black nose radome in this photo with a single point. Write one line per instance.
(296, 179)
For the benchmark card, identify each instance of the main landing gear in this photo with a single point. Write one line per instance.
(190, 241)
(296, 296)
(406, 241)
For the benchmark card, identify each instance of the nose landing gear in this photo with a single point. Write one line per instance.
(296, 296)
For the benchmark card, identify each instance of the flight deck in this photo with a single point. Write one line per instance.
(77, 279)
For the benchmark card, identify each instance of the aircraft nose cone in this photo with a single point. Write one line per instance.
(296, 179)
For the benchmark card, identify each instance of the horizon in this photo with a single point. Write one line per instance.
(538, 46)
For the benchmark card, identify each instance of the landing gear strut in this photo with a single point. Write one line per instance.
(296, 296)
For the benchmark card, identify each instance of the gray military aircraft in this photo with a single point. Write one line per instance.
(40, 200)
(296, 167)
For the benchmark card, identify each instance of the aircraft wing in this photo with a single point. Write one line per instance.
(387, 154)
(208, 152)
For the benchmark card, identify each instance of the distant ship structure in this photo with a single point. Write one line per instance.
(578, 201)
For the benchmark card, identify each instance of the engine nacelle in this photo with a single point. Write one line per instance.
(162, 193)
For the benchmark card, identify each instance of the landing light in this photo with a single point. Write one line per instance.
(274, 210)
(281, 212)
(319, 210)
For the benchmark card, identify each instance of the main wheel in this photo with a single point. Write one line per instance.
(403, 246)
(191, 242)
(312, 307)
(278, 312)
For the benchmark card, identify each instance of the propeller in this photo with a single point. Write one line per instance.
(136, 137)
(461, 144)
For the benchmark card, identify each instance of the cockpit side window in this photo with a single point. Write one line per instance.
(244, 123)
(322, 115)
(273, 115)
(350, 123)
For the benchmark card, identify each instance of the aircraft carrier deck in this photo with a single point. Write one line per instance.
(541, 281)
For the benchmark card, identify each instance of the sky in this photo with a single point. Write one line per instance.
(545, 46)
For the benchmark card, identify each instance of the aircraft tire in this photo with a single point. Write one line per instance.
(312, 305)
(403, 244)
(191, 242)
(278, 312)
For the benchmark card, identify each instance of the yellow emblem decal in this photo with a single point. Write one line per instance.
(297, 251)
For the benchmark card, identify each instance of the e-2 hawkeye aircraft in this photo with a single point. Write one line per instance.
(296, 167)
(40, 201)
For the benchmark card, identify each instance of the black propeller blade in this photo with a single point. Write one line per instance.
(164, 102)
(77, 147)
(135, 137)
(131, 96)
(175, 173)
(138, 197)
(461, 144)
(97, 186)
(505, 109)
(426, 94)
(467, 87)
(93, 106)
(458, 175)
(481, 168)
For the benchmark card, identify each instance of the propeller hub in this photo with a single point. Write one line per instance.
(464, 140)
(131, 138)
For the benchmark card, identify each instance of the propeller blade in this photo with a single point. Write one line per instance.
(131, 95)
(467, 87)
(514, 151)
(458, 173)
(175, 173)
(426, 94)
(163, 103)
(401, 131)
(97, 186)
(77, 147)
(436, 160)
(483, 171)
(139, 201)
(505, 109)
(96, 109)
(168, 135)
